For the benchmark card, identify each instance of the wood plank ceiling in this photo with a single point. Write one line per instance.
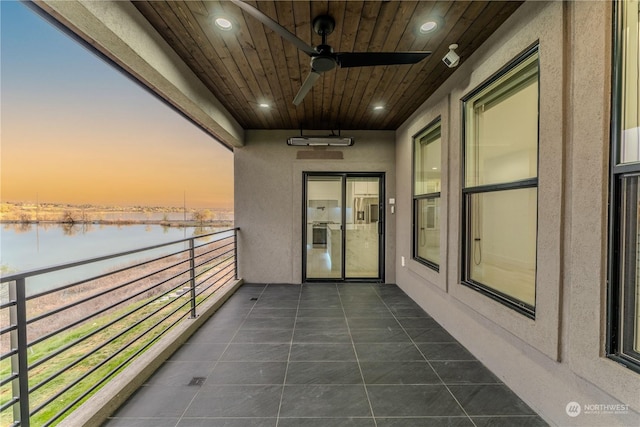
(250, 64)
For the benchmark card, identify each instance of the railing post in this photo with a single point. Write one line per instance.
(192, 279)
(235, 253)
(19, 364)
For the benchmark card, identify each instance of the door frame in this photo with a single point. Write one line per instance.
(381, 226)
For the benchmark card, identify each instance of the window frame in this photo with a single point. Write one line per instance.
(426, 196)
(468, 191)
(618, 308)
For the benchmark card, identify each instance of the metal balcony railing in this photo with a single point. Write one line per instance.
(60, 345)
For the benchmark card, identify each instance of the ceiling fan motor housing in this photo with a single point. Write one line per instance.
(325, 60)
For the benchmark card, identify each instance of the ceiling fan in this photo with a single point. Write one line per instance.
(323, 58)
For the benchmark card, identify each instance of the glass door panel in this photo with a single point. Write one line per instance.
(324, 227)
(362, 221)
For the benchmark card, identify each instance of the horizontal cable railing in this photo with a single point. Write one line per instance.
(60, 344)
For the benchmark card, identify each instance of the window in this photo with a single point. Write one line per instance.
(426, 195)
(500, 191)
(623, 342)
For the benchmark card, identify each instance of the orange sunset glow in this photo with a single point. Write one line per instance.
(75, 130)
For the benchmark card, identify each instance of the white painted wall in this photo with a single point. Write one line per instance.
(559, 357)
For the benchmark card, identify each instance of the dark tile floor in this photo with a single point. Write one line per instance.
(323, 355)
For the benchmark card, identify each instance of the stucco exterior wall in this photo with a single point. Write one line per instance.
(268, 198)
(558, 357)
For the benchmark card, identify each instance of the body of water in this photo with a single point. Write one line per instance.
(31, 246)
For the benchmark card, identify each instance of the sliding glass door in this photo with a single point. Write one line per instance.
(343, 227)
(324, 227)
(363, 232)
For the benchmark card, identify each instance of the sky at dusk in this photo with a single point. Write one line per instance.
(75, 130)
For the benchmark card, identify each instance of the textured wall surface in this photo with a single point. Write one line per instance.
(268, 198)
(558, 357)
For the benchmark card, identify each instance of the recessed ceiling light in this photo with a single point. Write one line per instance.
(434, 168)
(428, 27)
(224, 24)
(432, 24)
(378, 107)
(264, 105)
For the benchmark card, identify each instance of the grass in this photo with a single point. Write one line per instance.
(113, 338)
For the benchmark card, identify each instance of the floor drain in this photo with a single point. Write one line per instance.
(197, 381)
(254, 299)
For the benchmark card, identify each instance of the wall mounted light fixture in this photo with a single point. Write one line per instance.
(330, 140)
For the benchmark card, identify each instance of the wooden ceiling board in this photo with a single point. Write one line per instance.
(292, 64)
(209, 64)
(259, 59)
(230, 52)
(364, 39)
(415, 82)
(380, 76)
(384, 34)
(485, 20)
(159, 15)
(278, 62)
(302, 22)
(337, 11)
(382, 90)
(354, 12)
(220, 64)
(252, 64)
(198, 7)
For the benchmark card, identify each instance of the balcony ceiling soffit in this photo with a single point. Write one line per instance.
(251, 65)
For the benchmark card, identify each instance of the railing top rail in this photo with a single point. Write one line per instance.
(43, 270)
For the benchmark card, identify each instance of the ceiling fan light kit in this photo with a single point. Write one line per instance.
(323, 58)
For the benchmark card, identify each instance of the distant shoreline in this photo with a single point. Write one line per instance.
(172, 223)
(66, 214)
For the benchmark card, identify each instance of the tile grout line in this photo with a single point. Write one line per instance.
(353, 344)
(221, 354)
(286, 370)
(427, 360)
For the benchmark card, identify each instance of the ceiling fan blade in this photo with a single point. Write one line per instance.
(306, 86)
(366, 59)
(279, 29)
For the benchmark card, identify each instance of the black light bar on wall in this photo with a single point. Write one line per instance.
(330, 140)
